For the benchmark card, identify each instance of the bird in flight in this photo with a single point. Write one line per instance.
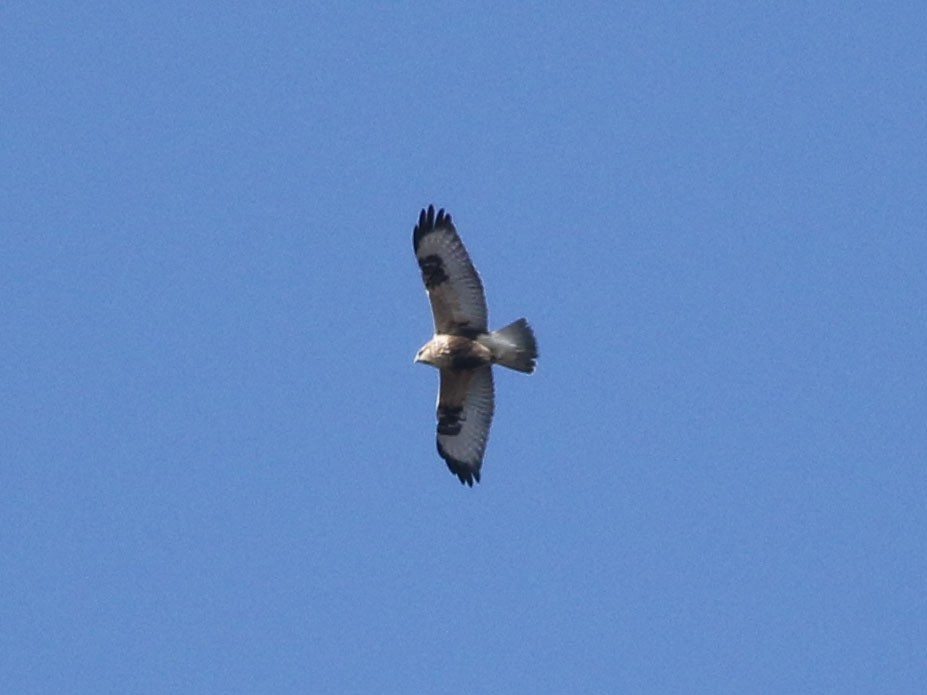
(462, 348)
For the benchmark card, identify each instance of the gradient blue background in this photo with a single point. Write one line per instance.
(217, 460)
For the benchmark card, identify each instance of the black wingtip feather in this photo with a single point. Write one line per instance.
(464, 472)
(428, 222)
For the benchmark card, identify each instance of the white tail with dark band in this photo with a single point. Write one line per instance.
(513, 346)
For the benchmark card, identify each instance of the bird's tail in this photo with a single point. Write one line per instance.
(513, 346)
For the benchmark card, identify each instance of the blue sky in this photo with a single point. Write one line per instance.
(217, 460)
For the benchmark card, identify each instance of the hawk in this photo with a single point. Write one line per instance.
(462, 348)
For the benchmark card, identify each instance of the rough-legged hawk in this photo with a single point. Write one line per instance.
(463, 348)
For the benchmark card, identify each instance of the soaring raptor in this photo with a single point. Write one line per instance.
(462, 348)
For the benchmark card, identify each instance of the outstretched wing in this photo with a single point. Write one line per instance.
(457, 300)
(465, 407)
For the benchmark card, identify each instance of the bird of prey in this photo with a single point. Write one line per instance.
(462, 348)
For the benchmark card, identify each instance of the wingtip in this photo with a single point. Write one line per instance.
(464, 472)
(428, 222)
(466, 478)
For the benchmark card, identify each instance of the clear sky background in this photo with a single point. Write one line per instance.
(217, 461)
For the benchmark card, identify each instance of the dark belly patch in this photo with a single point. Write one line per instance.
(467, 360)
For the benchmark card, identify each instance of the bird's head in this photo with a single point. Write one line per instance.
(424, 354)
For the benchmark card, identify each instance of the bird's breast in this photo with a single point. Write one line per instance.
(456, 352)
